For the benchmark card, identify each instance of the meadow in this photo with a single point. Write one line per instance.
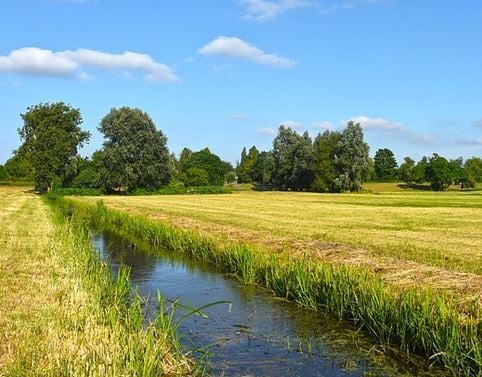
(406, 265)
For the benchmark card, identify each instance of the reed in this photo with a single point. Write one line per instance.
(421, 321)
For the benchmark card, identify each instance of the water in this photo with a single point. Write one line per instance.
(255, 334)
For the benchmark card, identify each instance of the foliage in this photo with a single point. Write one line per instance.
(473, 167)
(51, 136)
(439, 173)
(385, 165)
(245, 170)
(325, 149)
(405, 172)
(196, 177)
(19, 167)
(179, 189)
(293, 160)
(231, 177)
(3, 173)
(353, 161)
(419, 171)
(135, 152)
(215, 168)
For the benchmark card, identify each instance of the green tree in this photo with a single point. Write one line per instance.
(196, 177)
(3, 173)
(353, 161)
(231, 177)
(293, 160)
(90, 175)
(51, 136)
(405, 172)
(385, 165)
(245, 169)
(473, 167)
(215, 168)
(19, 167)
(325, 148)
(263, 168)
(419, 171)
(135, 152)
(439, 173)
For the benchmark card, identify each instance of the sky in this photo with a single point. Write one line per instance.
(225, 74)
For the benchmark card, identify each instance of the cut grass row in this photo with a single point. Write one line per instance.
(418, 320)
(61, 312)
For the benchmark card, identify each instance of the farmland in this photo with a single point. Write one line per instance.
(408, 264)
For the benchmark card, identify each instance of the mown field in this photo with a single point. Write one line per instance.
(407, 264)
(61, 313)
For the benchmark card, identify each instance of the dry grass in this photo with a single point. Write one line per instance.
(54, 319)
(408, 238)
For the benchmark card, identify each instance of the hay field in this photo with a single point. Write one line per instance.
(407, 237)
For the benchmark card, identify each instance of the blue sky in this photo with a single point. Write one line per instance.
(226, 73)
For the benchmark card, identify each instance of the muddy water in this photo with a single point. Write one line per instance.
(255, 334)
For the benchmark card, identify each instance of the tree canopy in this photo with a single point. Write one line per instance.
(385, 165)
(51, 136)
(135, 152)
(212, 164)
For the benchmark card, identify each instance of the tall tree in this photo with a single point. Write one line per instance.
(325, 148)
(293, 160)
(135, 152)
(245, 169)
(51, 137)
(385, 165)
(353, 161)
(419, 171)
(405, 172)
(473, 167)
(3, 173)
(439, 173)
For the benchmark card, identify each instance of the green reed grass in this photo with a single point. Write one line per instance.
(422, 321)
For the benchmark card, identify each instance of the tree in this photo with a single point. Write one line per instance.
(473, 167)
(439, 173)
(419, 171)
(19, 167)
(405, 172)
(245, 169)
(135, 152)
(196, 177)
(215, 168)
(90, 175)
(51, 137)
(325, 149)
(3, 173)
(293, 160)
(385, 165)
(263, 168)
(353, 161)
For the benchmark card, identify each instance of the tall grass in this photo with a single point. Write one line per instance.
(100, 330)
(421, 321)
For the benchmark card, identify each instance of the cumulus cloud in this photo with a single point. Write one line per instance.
(237, 48)
(72, 64)
(264, 10)
(267, 131)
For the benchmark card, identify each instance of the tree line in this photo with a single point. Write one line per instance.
(135, 156)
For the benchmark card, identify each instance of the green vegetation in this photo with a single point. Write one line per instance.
(385, 166)
(61, 313)
(135, 153)
(51, 135)
(420, 319)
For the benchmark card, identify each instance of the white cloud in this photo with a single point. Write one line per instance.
(267, 131)
(325, 125)
(237, 48)
(476, 141)
(477, 123)
(292, 124)
(72, 64)
(393, 129)
(239, 116)
(378, 124)
(264, 10)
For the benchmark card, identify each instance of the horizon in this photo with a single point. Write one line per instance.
(409, 73)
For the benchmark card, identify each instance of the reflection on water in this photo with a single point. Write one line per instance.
(256, 334)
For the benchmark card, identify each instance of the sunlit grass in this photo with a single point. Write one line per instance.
(61, 313)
